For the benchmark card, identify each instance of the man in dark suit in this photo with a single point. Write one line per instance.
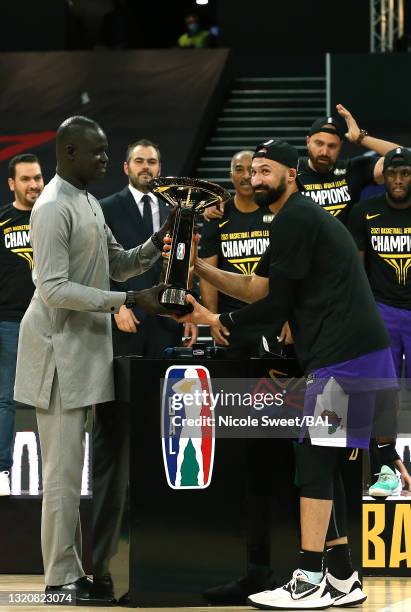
(132, 215)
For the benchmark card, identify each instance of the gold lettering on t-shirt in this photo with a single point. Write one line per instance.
(238, 235)
(391, 230)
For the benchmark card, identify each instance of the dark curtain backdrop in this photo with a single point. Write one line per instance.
(169, 97)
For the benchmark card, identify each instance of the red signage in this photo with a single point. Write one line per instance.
(23, 142)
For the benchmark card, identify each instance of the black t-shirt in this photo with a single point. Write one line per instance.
(239, 239)
(318, 284)
(338, 189)
(384, 234)
(16, 263)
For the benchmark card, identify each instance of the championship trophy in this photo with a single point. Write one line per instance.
(190, 197)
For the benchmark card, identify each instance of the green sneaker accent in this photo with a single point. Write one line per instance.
(387, 483)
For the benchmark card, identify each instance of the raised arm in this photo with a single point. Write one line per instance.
(369, 142)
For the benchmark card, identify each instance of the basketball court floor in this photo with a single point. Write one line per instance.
(384, 595)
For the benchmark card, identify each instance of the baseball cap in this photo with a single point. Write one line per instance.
(279, 151)
(331, 125)
(397, 157)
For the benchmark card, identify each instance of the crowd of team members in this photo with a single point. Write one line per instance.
(273, 247)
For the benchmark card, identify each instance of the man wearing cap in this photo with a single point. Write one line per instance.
(381, 228)
(311, 276)
(335, 183)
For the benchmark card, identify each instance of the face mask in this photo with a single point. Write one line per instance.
(193, 28)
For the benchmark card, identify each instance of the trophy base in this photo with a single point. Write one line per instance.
(174, 299)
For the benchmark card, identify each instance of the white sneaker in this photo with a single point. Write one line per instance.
(346, 592)
(298, 594)
(4, 484)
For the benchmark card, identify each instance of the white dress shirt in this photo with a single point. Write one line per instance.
(155, 208)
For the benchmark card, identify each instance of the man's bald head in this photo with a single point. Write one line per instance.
(241, 173)
(75, 129)
(81, 147)
(239, 157)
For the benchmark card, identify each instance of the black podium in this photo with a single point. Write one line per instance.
(184, 541)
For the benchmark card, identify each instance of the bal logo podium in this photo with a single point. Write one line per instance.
(205, 509)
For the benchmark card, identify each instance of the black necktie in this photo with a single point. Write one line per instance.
(147, 214)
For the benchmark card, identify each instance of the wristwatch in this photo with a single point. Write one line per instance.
(130, 300)
(363, 134)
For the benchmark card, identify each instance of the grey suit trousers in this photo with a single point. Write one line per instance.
(62, 450)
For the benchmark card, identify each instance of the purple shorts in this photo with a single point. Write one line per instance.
(340, 399)
(398, 324)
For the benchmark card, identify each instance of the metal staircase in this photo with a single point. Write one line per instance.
(258, 109)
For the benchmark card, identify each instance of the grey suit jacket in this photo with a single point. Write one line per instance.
(67, 325)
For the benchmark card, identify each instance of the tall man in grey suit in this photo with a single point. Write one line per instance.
(132, 214)
(65, 354)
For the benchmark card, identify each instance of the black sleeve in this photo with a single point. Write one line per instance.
(263, 266)
(209, 241)
(275, 308)
(363, 169)
(356, 225)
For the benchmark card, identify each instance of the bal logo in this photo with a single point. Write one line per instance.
(188, 431)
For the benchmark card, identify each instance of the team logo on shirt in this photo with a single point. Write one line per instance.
(223, 223)
(17, 240)
(188, 428)
(393, 245)
(368, 217)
